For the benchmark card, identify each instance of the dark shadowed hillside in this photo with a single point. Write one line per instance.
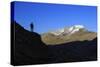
(74, 51)
(28, 48)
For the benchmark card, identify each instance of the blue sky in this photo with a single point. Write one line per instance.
(47, 17)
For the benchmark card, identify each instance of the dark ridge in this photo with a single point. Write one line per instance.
(27, 48)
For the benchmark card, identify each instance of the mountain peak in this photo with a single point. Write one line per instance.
(68, 34)
(75, 28)
(78, 26)
(68, 30)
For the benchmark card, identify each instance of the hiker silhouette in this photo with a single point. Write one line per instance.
(31, 27)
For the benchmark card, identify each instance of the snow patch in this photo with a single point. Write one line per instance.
(70, 30)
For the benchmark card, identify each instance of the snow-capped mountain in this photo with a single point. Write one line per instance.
(68, 30)
(68, 34)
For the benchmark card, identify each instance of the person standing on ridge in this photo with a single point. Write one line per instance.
(31, 27)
